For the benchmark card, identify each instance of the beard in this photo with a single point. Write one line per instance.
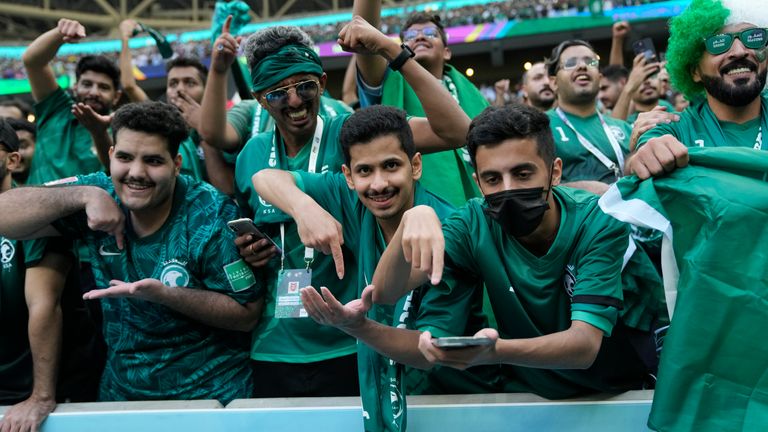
(738, 94)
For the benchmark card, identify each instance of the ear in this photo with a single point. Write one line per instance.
(696, 74)
(118, 95)
(477, 182)
(553, 83)
(12, 161)
(557, 171)
(323, 80)
(447, 54)
(416, 166)
(348, 176)
(177, 164)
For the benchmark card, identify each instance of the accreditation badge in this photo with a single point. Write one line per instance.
(288, 301)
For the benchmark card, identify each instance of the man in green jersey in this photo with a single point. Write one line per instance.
(546, 254)
(176, 297)
(592, 146)
(379, 183)
(301, 357)
(65, 123)
(43, 322)
(446, 174)
(717, 59)
(641, 92)
(230, 131)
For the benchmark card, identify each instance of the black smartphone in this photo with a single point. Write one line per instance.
(246, 226)
(645, 47)
(461, 342)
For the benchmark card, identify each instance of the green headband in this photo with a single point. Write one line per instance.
(701, 19)
(286, 62)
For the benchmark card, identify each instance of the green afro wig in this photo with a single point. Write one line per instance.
(688, 30)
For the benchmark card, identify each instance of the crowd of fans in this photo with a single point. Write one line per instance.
(468, 15)
(292, 246)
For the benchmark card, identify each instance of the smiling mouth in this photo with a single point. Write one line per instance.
(137, 186)
(582, 79)
(382, 197)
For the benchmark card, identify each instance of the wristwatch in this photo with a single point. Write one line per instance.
(401, 58)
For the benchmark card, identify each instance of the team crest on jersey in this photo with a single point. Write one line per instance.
(569, 279)
(618, 133)
(7, 251)
(174, 274)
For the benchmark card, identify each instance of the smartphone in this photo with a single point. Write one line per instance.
(461, 342)
(246, 226)
(645, 47)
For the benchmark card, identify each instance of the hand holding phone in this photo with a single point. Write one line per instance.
(246, 226)
(645, 47)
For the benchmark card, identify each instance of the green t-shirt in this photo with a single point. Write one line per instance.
(154, 352)
(578, 162)
(382, 381)
(577, 279)
(15, 358)
(698, 127)
(192, 157)
(294, 340)
(63, 147)
(632, 118)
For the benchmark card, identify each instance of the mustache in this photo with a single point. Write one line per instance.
(137, 181)
(387, 191)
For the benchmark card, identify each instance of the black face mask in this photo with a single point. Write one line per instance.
(518, 211)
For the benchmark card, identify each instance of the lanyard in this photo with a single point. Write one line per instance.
(314, 152)
(256, 121)
(759, 139)
(605, 160)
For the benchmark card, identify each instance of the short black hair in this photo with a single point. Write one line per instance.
(188, 62)
(423, 18)
(156, 118)
(99, 64)
(24, 125)
(554, 59)
(513, 121)
(8, 138)
(373, 122)
(614, 73)
(22, 106)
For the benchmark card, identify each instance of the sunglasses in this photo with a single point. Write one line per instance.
(754, 38)
(574, 62)
(427, 32)
(305, 90)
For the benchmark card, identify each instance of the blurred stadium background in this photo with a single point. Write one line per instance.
(490, 39)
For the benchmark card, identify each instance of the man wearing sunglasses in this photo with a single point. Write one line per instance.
(446, 174)
(292, 355)
(592, 146)
(719, 64)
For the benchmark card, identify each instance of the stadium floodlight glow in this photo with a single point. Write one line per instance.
(527, 65)
(469, 72)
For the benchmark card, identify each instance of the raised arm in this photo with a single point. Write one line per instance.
(44, 284)
(127, 80)
(41, 51)
(445, 125)
(641, 70)
(317, 228)
(413, 257)
(213, 117)
(29, 211)
(619, 33)
(371, 68)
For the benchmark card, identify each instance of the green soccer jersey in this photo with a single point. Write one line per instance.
(15, 358)
(578, 162)
(294, 340)
(577, 279)
(154, 352)
(248, 118)
(64, 147)
(698, 127)
(192, 157)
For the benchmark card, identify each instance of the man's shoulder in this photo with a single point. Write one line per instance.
(204, 202)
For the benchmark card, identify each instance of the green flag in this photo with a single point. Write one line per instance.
(714, 366)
